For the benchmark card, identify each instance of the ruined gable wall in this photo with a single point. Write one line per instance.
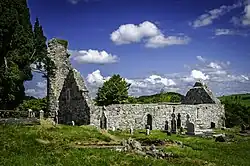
(135, 115)
(72, 103)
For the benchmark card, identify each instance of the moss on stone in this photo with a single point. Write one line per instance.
(63, 42)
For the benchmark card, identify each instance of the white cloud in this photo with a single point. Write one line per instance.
(219, 32)
(243, 20)
(155, 79)
(224, 32)
(245, 77)
(129, 33)
(208, 18)
(147, 32)
(200, 58)
(95, 78)
(246, 17)
(162, 41)
(214, 65)
(196, 74)
(93, 56)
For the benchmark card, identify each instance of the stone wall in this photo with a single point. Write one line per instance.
(136, 115)
(59, 56)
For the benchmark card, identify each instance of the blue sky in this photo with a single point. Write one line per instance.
(154, 44)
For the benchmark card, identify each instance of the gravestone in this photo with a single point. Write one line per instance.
(29, 113)
(190, 129)
(147, 131)
(41, 114)
(113, 128)
(173, 124)
(166, 125)
(73, 123)
(131, 130)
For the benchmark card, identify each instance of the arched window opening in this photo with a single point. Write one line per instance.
(179, 121)
(149, 121)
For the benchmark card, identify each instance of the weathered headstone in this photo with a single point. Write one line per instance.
(166, 125)
(147, 131)
(73, 123)
(29, 113)
(41, 114)
(131, 130)
(173, 124)
(190, 129)
(113, 128)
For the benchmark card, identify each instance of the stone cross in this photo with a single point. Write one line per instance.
(131, 130)
(147, 131)
(41, 114)
(29, 113)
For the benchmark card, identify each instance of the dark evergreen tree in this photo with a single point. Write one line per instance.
(17, 51)
(42, 63)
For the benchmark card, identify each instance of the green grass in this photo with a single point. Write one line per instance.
(19, 146)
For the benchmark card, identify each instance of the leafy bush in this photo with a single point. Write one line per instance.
(35, 104)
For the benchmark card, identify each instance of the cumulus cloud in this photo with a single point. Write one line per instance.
(93, 56)
(209, 17)
(147, 32)
(95, 78)
(129, 33)
(196, 75)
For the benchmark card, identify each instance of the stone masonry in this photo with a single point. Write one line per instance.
(69, 101)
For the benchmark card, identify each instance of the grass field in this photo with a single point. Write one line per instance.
(47, 145)
(241, 98)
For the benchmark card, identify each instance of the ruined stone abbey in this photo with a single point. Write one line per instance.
(69, 101)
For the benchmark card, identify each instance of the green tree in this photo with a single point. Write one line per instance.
(113, 91)
(16, 49)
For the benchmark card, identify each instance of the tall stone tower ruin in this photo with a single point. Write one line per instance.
(68, 98)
